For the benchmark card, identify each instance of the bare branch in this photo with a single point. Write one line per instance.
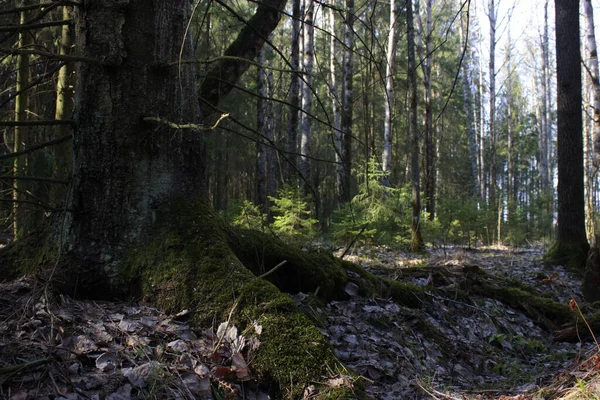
(47, 54)
(37, 147)
(38, 6)
(31, 27)
(197, 127)
(35, 179)
(37, 123)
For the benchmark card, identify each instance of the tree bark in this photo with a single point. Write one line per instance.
(417, 239)
(389, 93)
(492, 105)
(469, 112)
(571, 245)
(294, 96)
(20, 220)
(261, 127)
(593, 71)
(347, 84)
(304, 164)
(546, 121)
(335, 107)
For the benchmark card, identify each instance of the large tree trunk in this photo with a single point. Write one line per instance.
(135, 227)
(126, 167)
(571, 245)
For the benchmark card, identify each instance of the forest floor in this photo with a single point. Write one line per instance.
(450, 348)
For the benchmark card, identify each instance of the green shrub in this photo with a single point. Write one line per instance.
(292, 218)
(381, 212)
(246, 215)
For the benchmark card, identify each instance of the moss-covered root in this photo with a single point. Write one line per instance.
(546, 312)
(314, 271)
(187, 263)
(571, 255)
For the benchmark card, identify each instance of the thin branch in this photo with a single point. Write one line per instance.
(197, 127)
(49, 55)
(37, 123)
(33, 83)
(35, 203)
(31, 27)
(35, 179)
(37, 147)
(275, 268)
(233, 58)
(38, 6)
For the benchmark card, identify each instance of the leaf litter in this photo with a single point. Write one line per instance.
(449, 348)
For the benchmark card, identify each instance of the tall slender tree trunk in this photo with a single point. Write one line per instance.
(347, 100)
(20, 223)
(304, 164)
(270, 129)
(335, 106)
(417, 239)
(492, 105)
(294, 96)
(546, 122)
(571, 245)
(469, 111)
(592, 61)
(389, 93)
(262, 128)
(430, 137)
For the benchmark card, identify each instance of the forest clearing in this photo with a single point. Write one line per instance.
(298, 199)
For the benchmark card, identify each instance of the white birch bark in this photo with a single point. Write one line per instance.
(389, 92)
(304, 164)
(592, 69)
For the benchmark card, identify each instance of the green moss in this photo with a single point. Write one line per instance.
(571, 255)
(546, 311)
(313, 271)
(188, 262)
(403, 293)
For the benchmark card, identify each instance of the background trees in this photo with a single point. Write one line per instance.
(485, 151)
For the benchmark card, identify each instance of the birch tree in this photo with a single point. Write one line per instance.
(389, 92)
(294, 96)
(308, 37)
(594, 75)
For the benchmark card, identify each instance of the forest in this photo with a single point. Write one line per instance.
(225, 199)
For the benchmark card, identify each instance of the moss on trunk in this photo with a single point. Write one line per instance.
(571, 255)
